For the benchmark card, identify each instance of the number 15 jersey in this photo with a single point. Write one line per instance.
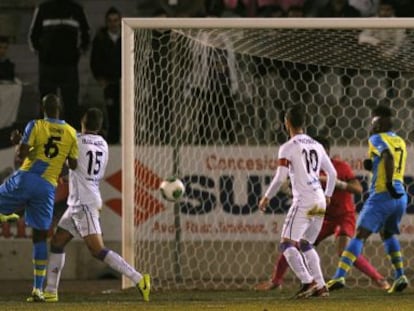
(84, 181)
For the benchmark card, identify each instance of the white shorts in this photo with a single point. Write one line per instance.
(81, 221)
(304, 222)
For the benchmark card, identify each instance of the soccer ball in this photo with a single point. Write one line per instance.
(172, 189)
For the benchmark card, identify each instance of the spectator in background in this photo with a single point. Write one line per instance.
(295, 11)
(60, 34)
(271, 10)
(387, 41)
(241, 8)
(171, 8)
(284, 4)
(338, 8)
(365, 7)
(6, 66)
(106, 67)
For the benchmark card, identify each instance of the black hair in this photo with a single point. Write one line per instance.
(384, 122)
(112, 10)
(382, 111)
(51, 105)
(323, 141)
(93, 119)
(296, 115)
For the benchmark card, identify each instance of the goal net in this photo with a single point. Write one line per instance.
(203, 100)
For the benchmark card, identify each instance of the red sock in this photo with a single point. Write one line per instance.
(365, 267)
(279, 270)
(6, 230)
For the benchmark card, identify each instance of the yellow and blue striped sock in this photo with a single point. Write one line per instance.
(39, 264)
(348, 257)
(393, 250)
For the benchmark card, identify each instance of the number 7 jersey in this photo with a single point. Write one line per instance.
(396, 146)
(84, 181)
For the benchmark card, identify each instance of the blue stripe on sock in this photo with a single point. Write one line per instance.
(392, 245)
(39, 255)
(354, 247)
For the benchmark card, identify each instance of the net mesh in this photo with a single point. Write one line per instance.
(209, 104)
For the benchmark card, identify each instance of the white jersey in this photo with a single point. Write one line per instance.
(85, 179)
(304, 157)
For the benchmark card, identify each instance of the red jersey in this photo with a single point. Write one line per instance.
(342, 201)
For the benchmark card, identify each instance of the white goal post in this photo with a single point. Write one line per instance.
(201, 100)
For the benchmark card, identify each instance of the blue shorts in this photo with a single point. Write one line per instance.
(382, 213)
(31, 192)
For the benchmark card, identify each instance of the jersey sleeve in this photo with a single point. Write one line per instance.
(284, 153)
(376, 145)
(28, 137)
(282, 172)
(329, 169)
(105, 164)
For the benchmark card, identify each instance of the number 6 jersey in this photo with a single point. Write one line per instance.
(85, 179)
(51, 141)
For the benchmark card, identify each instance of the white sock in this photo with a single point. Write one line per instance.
(54, 271)
(119, 264)
(313, 262)
(296, 263)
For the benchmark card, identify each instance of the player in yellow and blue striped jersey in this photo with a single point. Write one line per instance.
(45, 146)
(387, 201)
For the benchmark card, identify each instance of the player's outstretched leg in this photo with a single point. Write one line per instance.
(144, 287)
(279, 270)
(116, 262)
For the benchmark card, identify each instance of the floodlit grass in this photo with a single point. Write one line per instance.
(347, 300)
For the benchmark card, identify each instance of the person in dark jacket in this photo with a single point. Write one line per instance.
(106, 67)
(6, 66)
(60, 34)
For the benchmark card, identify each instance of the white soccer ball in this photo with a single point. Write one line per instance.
(172, 189)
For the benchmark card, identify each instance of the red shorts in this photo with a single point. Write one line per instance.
(342, 225)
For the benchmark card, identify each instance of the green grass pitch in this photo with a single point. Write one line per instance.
(243, 300)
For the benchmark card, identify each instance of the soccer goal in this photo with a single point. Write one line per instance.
(203, 100)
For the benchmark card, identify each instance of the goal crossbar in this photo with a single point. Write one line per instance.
(281, 23)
